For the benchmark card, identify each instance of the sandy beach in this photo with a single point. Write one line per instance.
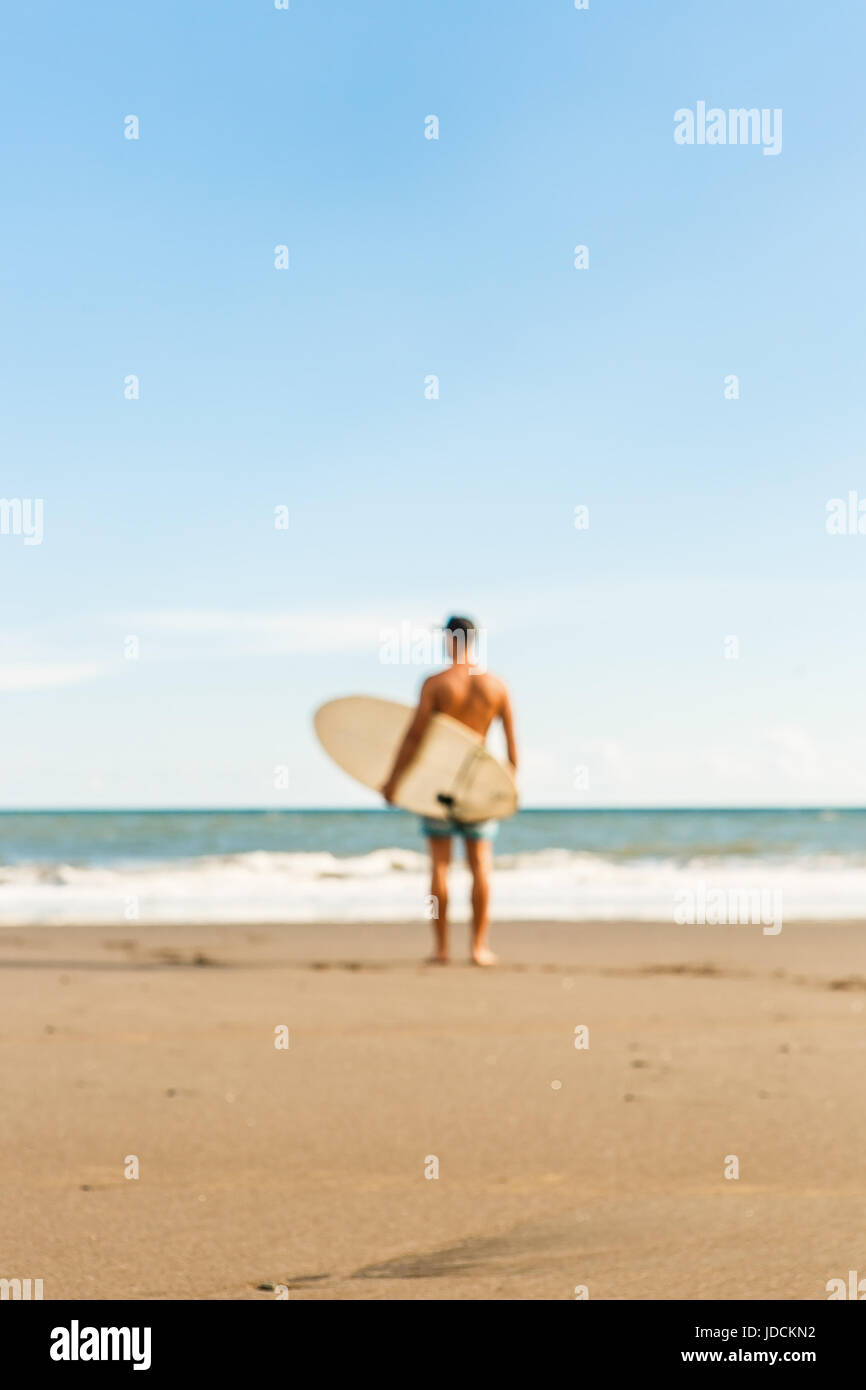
(558, 1167)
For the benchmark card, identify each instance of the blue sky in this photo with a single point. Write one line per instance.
(305, 388)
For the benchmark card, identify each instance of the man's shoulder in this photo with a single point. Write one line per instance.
(486, 679)
(437, 678)
(492, 682)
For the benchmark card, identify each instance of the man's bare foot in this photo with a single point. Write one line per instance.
(482, 956)
(437, 960)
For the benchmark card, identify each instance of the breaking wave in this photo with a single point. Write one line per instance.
(389, 885)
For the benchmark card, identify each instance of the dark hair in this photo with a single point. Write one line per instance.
(464, 625)
(461, 636)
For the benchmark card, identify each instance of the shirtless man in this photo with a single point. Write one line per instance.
(475, 698)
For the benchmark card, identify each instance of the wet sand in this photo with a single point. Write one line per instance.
(558, 1167)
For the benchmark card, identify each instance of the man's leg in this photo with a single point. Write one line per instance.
(440, 856)
(479, 857)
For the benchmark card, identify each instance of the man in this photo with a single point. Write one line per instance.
(476, 698)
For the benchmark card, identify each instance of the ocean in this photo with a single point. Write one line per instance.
(108, 867)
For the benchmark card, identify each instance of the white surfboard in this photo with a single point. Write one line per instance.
(453, 776)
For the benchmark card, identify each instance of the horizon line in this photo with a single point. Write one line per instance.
(391, 810)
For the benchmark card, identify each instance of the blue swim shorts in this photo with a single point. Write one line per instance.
(469, 830)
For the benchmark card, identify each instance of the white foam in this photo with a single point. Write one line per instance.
(390, 885)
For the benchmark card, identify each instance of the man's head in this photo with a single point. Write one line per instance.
(461, 638)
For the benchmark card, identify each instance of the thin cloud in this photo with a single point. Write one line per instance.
(34, 675)
(299, 633)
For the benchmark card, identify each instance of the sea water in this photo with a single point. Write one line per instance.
(111, 867)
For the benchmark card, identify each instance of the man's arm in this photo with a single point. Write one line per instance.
(508, 726)
(414, 735)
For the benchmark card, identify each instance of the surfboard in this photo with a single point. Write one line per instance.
(453, 776)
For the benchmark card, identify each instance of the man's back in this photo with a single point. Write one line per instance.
(475, 698)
